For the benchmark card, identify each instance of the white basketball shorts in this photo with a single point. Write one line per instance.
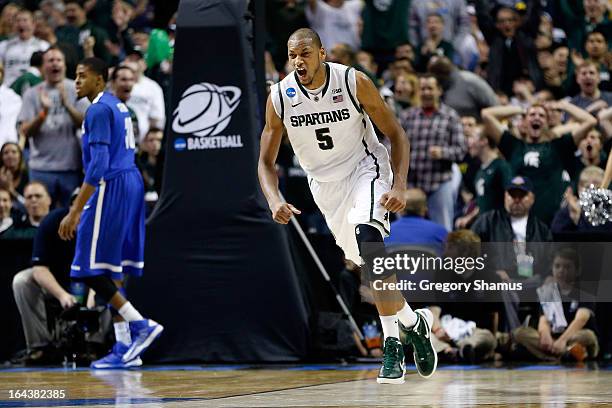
(356, 200)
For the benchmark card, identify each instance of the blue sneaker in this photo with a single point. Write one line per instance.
(114, 359)
(143, 333)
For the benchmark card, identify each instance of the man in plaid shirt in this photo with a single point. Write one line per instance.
(437, 141)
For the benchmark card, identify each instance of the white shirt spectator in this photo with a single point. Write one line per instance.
(336, 24)
(147, 102)
(15, 55)
(10, 105)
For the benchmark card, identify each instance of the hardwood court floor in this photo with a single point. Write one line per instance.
(310, 386)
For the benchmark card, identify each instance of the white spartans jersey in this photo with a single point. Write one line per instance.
(329, 132)
(15, 54)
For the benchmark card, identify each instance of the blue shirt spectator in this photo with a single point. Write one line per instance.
(413, 228)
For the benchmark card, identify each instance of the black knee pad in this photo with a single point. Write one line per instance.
(102, 284)
(371, 245)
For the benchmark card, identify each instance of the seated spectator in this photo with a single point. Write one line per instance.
(537, 156)
(147, 97)
(37, 204)
(9, 111)
(570, 217)
(493, 175)
(31, 77)
(413, 228)
(475, 343)
(567, 323)
(464, 91)
(15, 53)
(515, 222)
(47, 279)
(6, 221)
(588, 79)
(13, 172)
(525, 259)
(148, 164)
(434, 44)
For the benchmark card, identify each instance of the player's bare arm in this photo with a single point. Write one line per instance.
(385, 120)
(271, 138)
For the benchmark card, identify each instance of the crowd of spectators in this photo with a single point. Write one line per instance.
(507, 106)
(41, 42)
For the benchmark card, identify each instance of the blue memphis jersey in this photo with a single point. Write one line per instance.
(107, 121)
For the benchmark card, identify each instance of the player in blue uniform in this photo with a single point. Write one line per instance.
(109, 212)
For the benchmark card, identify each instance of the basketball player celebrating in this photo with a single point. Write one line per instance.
(327, 110)
(109, 212)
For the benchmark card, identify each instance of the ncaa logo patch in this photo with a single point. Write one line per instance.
(290, 92)
(205, 109)
(180, 144)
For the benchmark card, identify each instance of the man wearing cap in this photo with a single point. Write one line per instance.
(517, 260)
(514, 222)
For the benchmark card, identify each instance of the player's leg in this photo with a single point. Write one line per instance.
(143, 331)
(123, 340)
(99, 248)
(370, 244)
(371, 182)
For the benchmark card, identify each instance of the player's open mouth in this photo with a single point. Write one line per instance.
(301, 72)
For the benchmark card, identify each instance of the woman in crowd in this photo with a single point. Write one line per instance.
(13, 172)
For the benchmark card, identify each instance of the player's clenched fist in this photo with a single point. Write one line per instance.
(394, 200)
(283, 212)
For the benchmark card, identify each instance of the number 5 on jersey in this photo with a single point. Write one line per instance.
(325, 140)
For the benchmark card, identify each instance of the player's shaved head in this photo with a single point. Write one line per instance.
(305, 34)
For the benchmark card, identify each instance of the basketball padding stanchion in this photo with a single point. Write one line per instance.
(321, 268)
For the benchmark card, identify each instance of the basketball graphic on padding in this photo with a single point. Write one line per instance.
(205, 109)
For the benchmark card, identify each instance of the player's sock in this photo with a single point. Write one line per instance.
(389, 326)
(407, 316)
(122, 332)
(129, 313)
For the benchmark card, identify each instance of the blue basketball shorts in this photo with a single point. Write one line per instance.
(111, 232)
